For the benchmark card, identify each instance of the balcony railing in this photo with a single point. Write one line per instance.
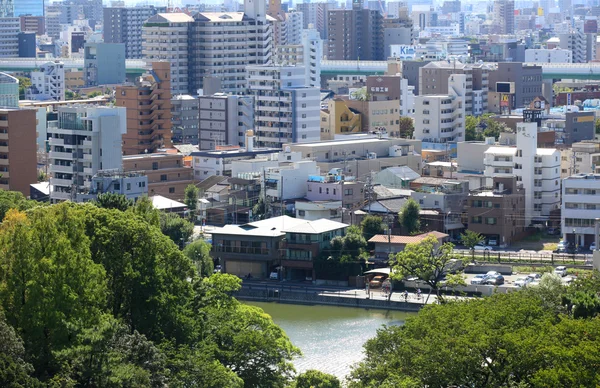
(242, 250)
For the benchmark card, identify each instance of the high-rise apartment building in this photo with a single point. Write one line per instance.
(580, 208)
(9, 37)
(504, 17)
(210, 45)
(148, 104)
(7, 9)
(294, 26)
(316, 14)
(355, 34)
(184, 119)
(104, 63)
(224, 120)
(165, 38)
(441, 118)
(527, 80)
(35, 24)
(18, 161)
(307, 54)
(398, 31)
(284, 109)
(84, 140)
(124, 25)
(48, 83)
(433, 79)
(9, 91)
(582, 46)
(222, 45)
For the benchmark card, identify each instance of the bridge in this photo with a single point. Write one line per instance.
(549, 70)
(132, 66)
(582, 71)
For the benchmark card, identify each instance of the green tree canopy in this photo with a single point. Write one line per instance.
(505, 340)
(178, 229)
(199, 253)
(24, 83)
(315, 379)
(427, 260)
(407, 127)
(469, 239)
(15, 200)
(409, 216)
(191, 200)
(113, 201)
(371, 225)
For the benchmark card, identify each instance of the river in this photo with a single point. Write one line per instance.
(331, 338)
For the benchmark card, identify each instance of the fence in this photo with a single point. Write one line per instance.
(528, 258)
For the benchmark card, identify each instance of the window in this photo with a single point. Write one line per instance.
(333, 191)
(301, 213)
(129, 186)
(155, 165)
(476, 220)
(163, 177)
(171, 190)
(320, 190)
(420, 202)
(348, 192)
(491, 220)
(437, 203)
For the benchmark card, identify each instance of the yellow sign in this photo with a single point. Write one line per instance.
(584, 119)
(540, 11)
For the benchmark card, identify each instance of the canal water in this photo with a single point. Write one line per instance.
(331, 338)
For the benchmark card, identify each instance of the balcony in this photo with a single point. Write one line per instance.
(62, 155)
(242, 250)
(64, 169)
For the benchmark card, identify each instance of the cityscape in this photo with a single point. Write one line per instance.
(295, 194)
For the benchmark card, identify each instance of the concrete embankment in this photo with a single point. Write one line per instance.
(344, 299)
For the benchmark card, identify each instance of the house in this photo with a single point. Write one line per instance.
(392, 244)
(303, 244)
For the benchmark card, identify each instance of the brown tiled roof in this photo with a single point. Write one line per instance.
(383, 238)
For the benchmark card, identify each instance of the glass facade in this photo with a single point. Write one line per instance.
(29, 7)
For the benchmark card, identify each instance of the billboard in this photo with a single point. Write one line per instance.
(505, 87)
(403, 51)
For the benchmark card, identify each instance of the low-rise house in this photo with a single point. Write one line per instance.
(391, 244)
(396, 177)
(282, 244)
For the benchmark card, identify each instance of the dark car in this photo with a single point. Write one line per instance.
(495, 280)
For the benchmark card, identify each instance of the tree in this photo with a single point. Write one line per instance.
(15, 200)
(178, 229)
(144, 209)
(427, 260)
(471, 129)
(14, 370)
(113, 201)
(49, 285)
(94, 94)
(199, 253)
(597, 126)
(371, 225)
(506, 340)
(582, 297)
(315, 379)
(191, 200)
(407, 127)
(409, 216)
(259, 209)
(24, 83)
(469, 239)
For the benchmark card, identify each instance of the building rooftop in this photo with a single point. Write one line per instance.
(384, 238)
(545, 151)
(176, 17)
(340, 142)
(272, 227)
(164, 203)
(234, 153)
(502, 151)
(316, 227)
(584, 176)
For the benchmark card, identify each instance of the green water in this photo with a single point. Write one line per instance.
(330, 338)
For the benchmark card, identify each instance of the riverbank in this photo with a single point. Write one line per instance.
(342, 298)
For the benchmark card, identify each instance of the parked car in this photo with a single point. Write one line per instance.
(560, 271)
(561, 247)
(496, 280)
(478, 279)
(217, 268)
(534, 277)
(481, 247)
(523, 281)
(274, 276)
(377, 281)
(553, 231)
(593, 246)
(492, 273)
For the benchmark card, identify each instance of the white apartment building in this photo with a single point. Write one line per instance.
(307, 54)
(537, 169)
(556, 55)
(224, 120)
(294, 25)
(441, 118)
(223, 44)
(165, 37)
(580, 208)
(289, 182)
(9, 37)
(285, 110)
(581, 158)
(582, 46)
(48, 83)
(84, 140)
